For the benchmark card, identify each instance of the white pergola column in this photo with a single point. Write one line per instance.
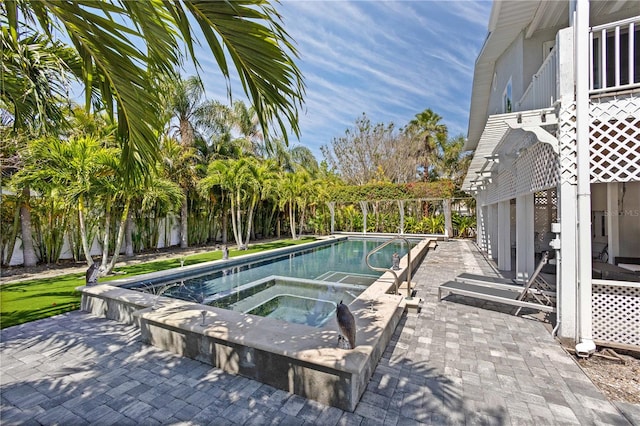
(612, 218)
(332, 209)
(365, 209)
(504, 235)
(481, 219)
(448, 224)
(401, 210)
(525, 245)
(492, 231)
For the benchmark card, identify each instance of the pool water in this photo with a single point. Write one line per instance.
(296, 309)
(300, 287)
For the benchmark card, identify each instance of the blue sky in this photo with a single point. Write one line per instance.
(388, 59)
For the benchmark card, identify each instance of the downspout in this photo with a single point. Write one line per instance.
(580, 13)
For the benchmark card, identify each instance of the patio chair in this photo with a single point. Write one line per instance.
(535, 293)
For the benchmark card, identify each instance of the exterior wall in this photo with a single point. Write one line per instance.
(508, 66)
(535, 54)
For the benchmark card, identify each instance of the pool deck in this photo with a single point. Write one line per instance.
(452, 363)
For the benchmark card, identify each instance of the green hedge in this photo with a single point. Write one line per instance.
(388, 191)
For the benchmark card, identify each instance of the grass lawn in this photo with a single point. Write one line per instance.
(41, 298)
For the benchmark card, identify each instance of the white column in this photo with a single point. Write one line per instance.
(401, 211)
(332, 209)
(504, 235)
(585, 320)
(365, 209)
(448, 224)
(612, 218)
(566, 267)
(492, 231)
(524, 237)
(480, 222)
(567, 286)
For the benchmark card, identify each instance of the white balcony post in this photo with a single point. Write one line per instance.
(567, 190)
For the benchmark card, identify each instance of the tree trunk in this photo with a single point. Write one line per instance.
(13, 237)
(28, 252)
(234, 225)
(107, 231)
(250, 222)
(83, 233)
(116, 251)
(128, 246)
(301, 222)
(184, 212)
(225, 226)
(292, 221)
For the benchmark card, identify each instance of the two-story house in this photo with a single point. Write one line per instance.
(555, 125)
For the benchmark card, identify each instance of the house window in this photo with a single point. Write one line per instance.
(507, 98)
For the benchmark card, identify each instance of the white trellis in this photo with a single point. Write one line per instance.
(615, 140)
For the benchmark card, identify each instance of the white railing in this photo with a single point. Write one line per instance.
(542, 90)
(614, 56)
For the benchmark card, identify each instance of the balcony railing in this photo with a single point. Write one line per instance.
(542, 90)
(615, 56)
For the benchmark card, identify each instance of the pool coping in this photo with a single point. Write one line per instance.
(297, 358)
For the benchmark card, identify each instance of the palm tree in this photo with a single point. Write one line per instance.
(427, 130)
(290, 189)
(184, 103)
(75, 167)
(245, 34)
(246, 123)
(234, 178)
(451, 161)
(34, 80)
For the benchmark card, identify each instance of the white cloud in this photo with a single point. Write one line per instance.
(388, 59)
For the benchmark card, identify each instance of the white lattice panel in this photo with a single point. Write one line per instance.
(502, 188)
(615, 140)
(536, 169)
(493, 192)
(567, 142)
(616, 313)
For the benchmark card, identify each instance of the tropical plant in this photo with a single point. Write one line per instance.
(236, 180)
(290, 188)
(122, 62)
(34, 74)
(433, 224)
(465, 225)
(9, 226)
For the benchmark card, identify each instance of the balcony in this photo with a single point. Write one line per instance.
(614, 56)
(542, 91)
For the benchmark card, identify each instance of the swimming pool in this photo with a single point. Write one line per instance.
(294, 357)
(301, 287)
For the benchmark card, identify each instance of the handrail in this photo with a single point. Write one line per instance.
(379, 269)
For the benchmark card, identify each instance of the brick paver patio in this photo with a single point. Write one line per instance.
(452, 363)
